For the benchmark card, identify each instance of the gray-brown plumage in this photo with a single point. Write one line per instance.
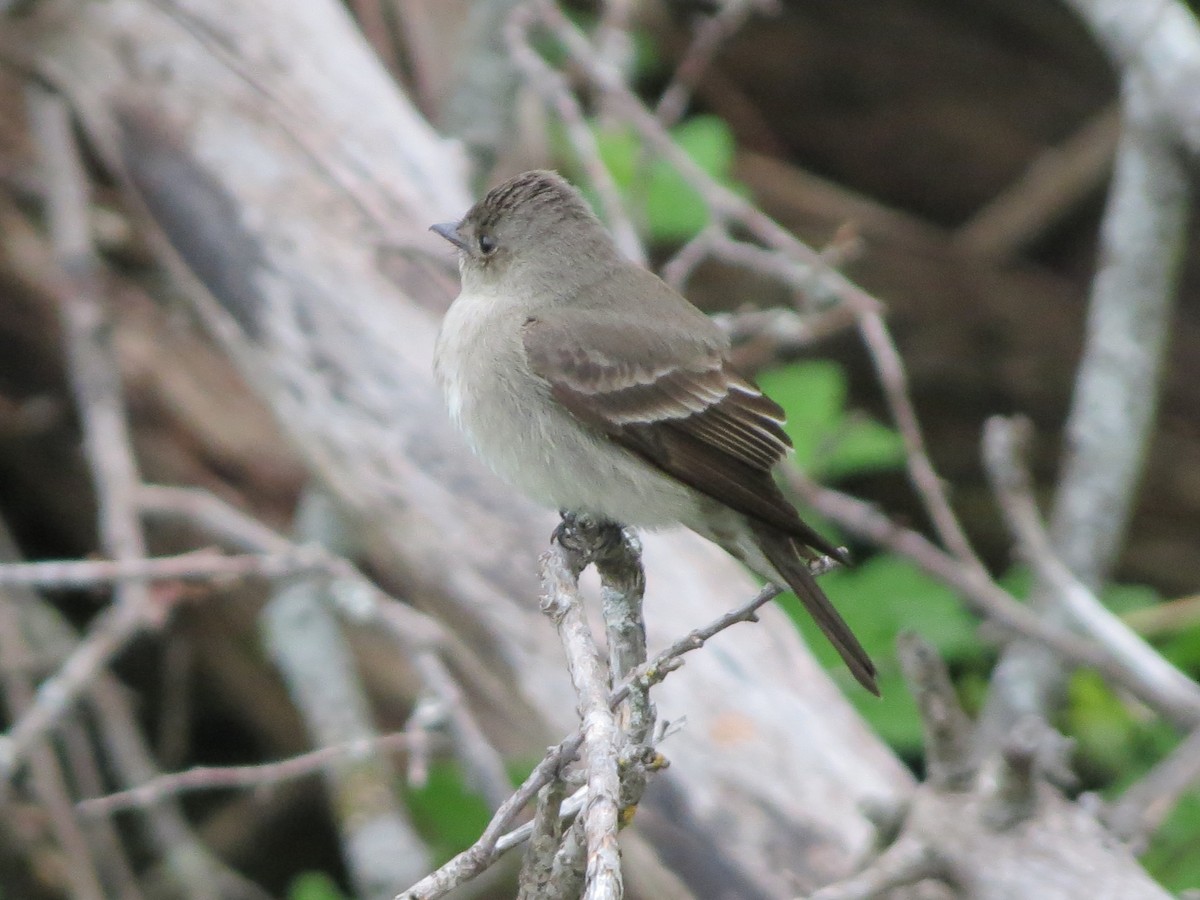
(594, 387)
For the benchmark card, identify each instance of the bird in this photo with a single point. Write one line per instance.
(594, 388)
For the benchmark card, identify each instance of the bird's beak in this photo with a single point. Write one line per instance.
(449, 230)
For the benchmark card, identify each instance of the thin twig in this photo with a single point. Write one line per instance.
(536, 869)
(495, 840)
(361, 602)
(197, 565)
(484, 851)
(1145, 805)
(710, 34)
(46, 774)
(555, 91)
(1051, 187)
(259, 776)
(671, 658)
(306, 641)
(1118, 385)
(987, 599)
(890, 369)
(1005, 442)
(906, 862)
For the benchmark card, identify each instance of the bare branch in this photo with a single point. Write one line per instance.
(990, 601)
(1004, 442)
(1053, 185)
(256, 777)
(710, 34)
(46, 773)
(197, 565)
(906, 862)
(543, 841)
(602, 741)
(949, 764)
(1161, 40)
(557, 93)
(1142, 809)
(484, 851)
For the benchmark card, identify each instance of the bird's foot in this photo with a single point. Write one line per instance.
(586, 534)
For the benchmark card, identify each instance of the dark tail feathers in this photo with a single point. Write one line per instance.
(781, 552)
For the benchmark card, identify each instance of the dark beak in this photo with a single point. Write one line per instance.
(449, 230)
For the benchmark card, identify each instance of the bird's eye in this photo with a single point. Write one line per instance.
(486, 243)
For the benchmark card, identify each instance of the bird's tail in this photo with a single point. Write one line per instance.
(781, 552)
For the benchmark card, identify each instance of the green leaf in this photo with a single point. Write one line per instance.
(674, 210)
(861, 445)
(830, 443)
(1115, 743)
(449, 816)
(314, 886)
(813, 394)
(657, 195)
(1172, 856)
(619, 150)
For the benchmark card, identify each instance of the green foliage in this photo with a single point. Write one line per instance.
(830, 442)
(449, 816)
(880, 598)
(1172, 856)
(1115, 742)
(314, 886)
(657, 196)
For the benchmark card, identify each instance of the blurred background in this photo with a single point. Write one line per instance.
(954, 153)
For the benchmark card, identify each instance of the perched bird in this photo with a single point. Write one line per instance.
(593, 387)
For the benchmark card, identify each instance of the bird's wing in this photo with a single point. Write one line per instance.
(664, 390)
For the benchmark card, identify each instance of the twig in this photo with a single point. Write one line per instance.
(567, 812)
(555, 91)
(622, 586)
(1117, 390)
(1162, 41)
(725, 204)
(612, 38)
(46, 774)
(890, 369)
(1118, 385)
(495, 840)
(198, 565)
(948, 758)
(671, 658)
(259, 776)
(188, 862)
(544, 838)
(1166, 618)
(361, 602)
(484, 851)
(1004, 444)
(1054, 184)
(988, 600)
(710, 34)
(907, 861)
(482, 763)
(1144, 806)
